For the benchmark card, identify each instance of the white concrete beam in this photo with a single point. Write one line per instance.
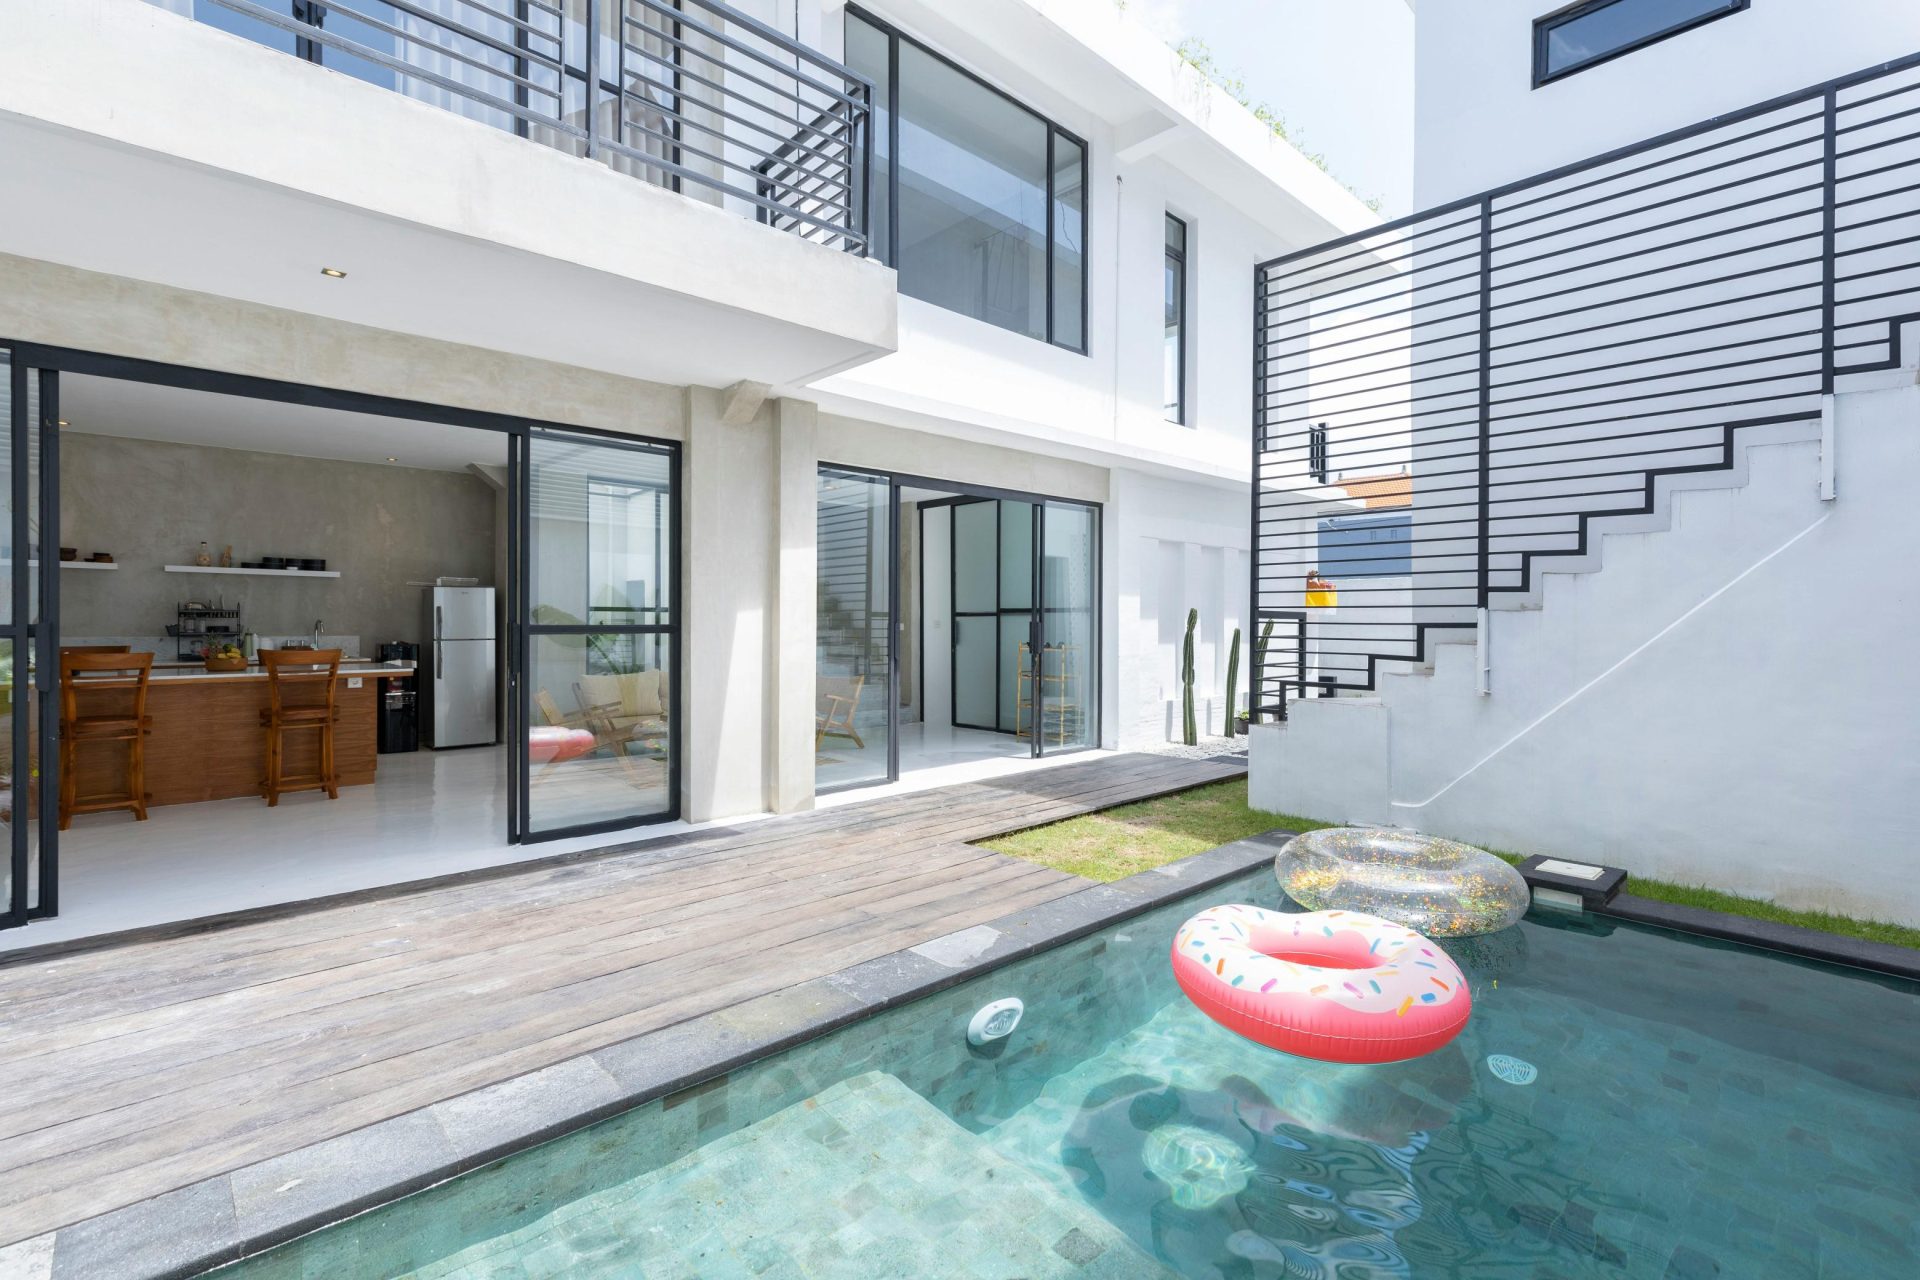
(1144, 135)
(741, 401)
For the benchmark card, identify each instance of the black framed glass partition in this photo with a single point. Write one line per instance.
(590, 581)
(1065, 711)
(600, 636)
(853, 739)
(29, 778)
(979, 202)
(993, 598)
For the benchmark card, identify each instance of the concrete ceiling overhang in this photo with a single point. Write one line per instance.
(121, 157)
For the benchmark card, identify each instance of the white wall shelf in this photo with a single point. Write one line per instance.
(77, 564)
(253, 573)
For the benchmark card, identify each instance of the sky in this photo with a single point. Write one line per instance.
(1339, 71)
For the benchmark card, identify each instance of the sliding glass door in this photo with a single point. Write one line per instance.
(853, 740)
(29, 599)
(598, 633)
(996, 611)
(1065, 708)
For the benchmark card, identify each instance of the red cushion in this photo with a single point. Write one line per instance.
(548, 743)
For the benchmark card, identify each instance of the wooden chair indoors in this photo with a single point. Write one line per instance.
(94, 648)
(113, 684)
(301, 686)
(836, 699)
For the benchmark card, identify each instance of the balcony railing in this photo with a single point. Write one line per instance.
(687, 94)
(1517, 364)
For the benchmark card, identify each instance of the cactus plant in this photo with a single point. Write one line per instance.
(1233, 680)
(1189, 730)
(1259, 667)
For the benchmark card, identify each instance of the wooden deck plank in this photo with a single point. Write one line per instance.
(144, 1067)
(959, 817)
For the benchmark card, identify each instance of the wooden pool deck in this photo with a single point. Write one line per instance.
(142, 1068)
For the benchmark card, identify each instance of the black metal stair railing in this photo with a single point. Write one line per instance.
(688, 94)
(1485, 379)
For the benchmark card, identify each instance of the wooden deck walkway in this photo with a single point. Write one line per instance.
(139, 1069)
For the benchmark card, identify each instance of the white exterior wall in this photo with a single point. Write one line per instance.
(1176, 526)
(1479, 123)
(1177, 546)
(488, 272)
(1729, 701)
(1716, 693)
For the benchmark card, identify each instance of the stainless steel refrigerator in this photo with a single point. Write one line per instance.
(458, 679)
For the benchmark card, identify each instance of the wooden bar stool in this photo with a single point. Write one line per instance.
(310, 675)
(97, 674)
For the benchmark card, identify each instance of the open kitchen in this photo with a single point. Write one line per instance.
(278, 634)
(258, 650)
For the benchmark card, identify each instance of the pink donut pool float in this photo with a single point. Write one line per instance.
(1335, 985)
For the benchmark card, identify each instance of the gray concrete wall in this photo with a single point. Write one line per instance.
(152, 503)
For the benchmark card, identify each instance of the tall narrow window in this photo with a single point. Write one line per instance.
(978, 202)
(1174, 357)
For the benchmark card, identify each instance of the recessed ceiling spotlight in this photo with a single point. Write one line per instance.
(60, 423)
(393, 459)
(334, 273)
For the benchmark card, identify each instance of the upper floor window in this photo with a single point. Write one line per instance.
(1174, 360)
(978, 202)
(1581, 35)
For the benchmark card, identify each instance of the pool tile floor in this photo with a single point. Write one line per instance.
(865, 1181)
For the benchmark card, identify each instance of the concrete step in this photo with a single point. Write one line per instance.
(864, 1181)
(1668, 491)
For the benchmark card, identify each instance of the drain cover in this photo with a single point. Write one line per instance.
(1512, 1070)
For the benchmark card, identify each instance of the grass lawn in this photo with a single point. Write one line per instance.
(1116, 843)
(1690, 895)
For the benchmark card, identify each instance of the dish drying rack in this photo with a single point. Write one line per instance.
(196, 624)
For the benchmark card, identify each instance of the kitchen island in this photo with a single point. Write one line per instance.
(207, 741)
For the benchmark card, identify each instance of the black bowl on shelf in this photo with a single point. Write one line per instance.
(314, 566)
(273, 562)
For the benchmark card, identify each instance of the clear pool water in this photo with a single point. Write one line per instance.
(1625, 1103)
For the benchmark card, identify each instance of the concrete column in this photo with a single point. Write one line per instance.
(791, 696)
(729, 528)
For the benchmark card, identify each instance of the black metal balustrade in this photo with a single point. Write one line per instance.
(688, 94)
(1518, 363)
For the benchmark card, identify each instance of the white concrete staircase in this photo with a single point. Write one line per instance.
(1725, 653)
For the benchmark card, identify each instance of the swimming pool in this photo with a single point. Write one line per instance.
(1625, 1102)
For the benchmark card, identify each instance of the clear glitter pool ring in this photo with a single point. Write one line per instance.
(1441, 887)
(1335, 985)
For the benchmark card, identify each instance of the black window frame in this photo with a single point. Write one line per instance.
(1177, 258)
(1546, 24)
(894, 37)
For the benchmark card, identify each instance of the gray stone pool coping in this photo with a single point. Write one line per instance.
(222, 1219)
(1814, 944)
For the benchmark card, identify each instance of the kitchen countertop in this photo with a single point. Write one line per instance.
(171, 673)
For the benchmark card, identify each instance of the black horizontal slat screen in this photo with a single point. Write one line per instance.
(1500, 371)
